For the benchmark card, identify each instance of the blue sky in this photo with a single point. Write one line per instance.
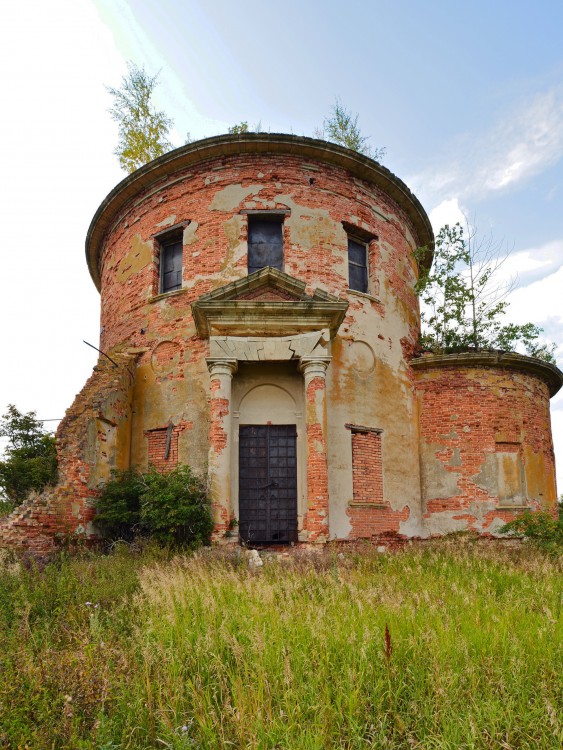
(467, 97)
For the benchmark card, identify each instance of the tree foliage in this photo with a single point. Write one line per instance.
(30, 458)
(143, 130)
(341, 127)
(244, 127)
(464, 301)
(240, 127)
(173, 507)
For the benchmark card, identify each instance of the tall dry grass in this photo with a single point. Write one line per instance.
(455, 644)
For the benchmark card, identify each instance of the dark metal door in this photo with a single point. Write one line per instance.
(268, 484)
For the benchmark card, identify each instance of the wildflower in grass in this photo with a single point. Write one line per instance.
(388, 645)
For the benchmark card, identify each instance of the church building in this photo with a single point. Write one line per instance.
(259, 322)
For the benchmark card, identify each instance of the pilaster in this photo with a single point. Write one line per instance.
(221, 371)
(315, 523)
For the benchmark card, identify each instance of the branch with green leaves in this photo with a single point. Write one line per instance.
(143, 130)
(341, 127)
(464, 298)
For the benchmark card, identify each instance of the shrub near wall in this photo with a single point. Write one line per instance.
(173, 507)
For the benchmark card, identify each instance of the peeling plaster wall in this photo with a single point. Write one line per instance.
(366, 387)
(368, 381)
(486, 448)
(315, 244)
(92, 440)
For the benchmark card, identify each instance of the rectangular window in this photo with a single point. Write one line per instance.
(357, 265)
(367, 468)
(265, 242)
(170, 264)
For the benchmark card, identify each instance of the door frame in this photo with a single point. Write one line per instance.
(291, 531)
(285, 377)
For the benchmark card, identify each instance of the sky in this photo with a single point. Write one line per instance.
(466, 97)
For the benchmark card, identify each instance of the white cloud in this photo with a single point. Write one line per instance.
(447, 212)
(533, 264)
(526, 143)
(522, 143)
(540, 300)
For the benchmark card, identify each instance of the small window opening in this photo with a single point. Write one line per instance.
(170, 263)
(357, 265)
(265, 242)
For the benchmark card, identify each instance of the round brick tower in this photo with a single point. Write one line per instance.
(267, 284)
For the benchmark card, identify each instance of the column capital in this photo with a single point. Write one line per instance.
(312, 366)
(222, 366)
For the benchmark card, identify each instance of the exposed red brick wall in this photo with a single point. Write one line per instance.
(368, 521)
(316, 518)
(157, 440)
(157, 449)
(467, 414)
(370, 514)
(367, 467)
(219, 409)
(84, 457)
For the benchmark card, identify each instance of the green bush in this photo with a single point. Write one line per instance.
(539, 527)
(30, 458)
(173, 508)
(118, 506)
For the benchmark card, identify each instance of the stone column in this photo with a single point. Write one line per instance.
(220, 437)
(315, 522)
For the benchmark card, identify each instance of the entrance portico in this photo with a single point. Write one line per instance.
(311, 322)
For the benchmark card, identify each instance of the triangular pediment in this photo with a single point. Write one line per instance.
(268, 294)
(267, 302)
(267, 283)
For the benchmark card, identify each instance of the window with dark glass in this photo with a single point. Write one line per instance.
(265, 242)
(170, 264)
(357, 265)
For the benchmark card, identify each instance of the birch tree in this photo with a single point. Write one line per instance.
(143, 131)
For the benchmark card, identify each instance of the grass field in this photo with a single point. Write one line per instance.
(146, 650)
